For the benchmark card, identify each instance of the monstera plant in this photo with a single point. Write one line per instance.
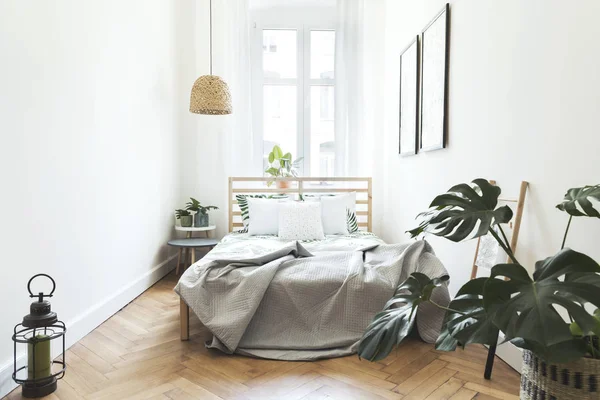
(550, 314)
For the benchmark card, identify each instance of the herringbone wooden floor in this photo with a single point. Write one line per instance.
(137, 354)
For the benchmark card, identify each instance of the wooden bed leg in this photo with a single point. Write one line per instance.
(184, 318)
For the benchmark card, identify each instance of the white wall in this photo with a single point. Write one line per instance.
(523, 104)
(92, 105)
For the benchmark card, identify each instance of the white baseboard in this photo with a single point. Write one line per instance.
(84, 323)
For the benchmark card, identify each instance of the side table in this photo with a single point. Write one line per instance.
(192, 244)
(186, 250)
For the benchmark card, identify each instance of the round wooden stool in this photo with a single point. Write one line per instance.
(192, 244)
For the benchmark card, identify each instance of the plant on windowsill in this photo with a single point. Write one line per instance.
(522, 308)
(185, 217)
(200, 212)
(282, 166)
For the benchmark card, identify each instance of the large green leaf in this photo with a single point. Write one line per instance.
(272, 171)
(192, 205)
(394, 323)
(277, 152)
(530, 314)
(468, 322)
(464, 212)
(577, 201)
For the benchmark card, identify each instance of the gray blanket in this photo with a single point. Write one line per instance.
(293, 305)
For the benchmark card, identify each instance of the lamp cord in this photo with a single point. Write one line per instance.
(210, 34)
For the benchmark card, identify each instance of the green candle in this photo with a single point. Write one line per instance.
(43, 361)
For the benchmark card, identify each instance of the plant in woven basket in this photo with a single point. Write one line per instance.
(524, 308)
(281, 165)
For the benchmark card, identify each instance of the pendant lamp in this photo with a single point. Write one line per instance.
(210, 94)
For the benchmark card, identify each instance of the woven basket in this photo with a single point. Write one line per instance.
(577, 380)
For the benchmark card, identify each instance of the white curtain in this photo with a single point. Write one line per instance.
(221, 146)
(359, 85)
(237, 138)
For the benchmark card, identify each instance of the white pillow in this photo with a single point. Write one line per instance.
(334, 213)
(265, 216)
(300, 221)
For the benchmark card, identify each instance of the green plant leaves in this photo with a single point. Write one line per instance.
(193, 205)
(181, 213)
(530, 313)
(205, 210)
(559, 353)
(467, 321)
(283, 165)
(277, 153)
(577, 202)
(464, 212)
(524, 309)
(272, 171)
(392, 325)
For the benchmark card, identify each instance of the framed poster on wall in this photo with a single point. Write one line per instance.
(434, 81)
(409, 99)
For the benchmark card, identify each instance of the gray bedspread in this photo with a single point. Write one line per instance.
(289, 304)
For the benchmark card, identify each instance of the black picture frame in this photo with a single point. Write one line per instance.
(434, 82)
(408, 122)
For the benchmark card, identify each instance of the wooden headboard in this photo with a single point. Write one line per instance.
(300, 186)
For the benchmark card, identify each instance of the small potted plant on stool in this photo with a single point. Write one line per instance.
(185, 217)
(201, 212)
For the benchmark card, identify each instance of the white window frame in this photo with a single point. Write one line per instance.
(303, 81)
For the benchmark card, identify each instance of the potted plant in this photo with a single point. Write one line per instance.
(561, 350)
(184, 216)
(201, 212)
(281, 165)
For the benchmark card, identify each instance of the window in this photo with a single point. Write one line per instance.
(293, 91)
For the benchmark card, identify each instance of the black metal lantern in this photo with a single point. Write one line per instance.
(38, 329)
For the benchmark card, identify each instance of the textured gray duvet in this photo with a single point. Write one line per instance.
(291, 304)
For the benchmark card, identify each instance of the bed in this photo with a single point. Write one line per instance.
(300, 299)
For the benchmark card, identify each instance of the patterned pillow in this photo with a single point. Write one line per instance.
(300, 221)
(242, 200)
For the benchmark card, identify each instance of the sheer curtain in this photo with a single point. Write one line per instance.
(226, 141)
(237, 140)
(220, 146)
(359, 85)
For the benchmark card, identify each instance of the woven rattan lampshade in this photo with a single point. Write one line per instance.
(210, 96)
